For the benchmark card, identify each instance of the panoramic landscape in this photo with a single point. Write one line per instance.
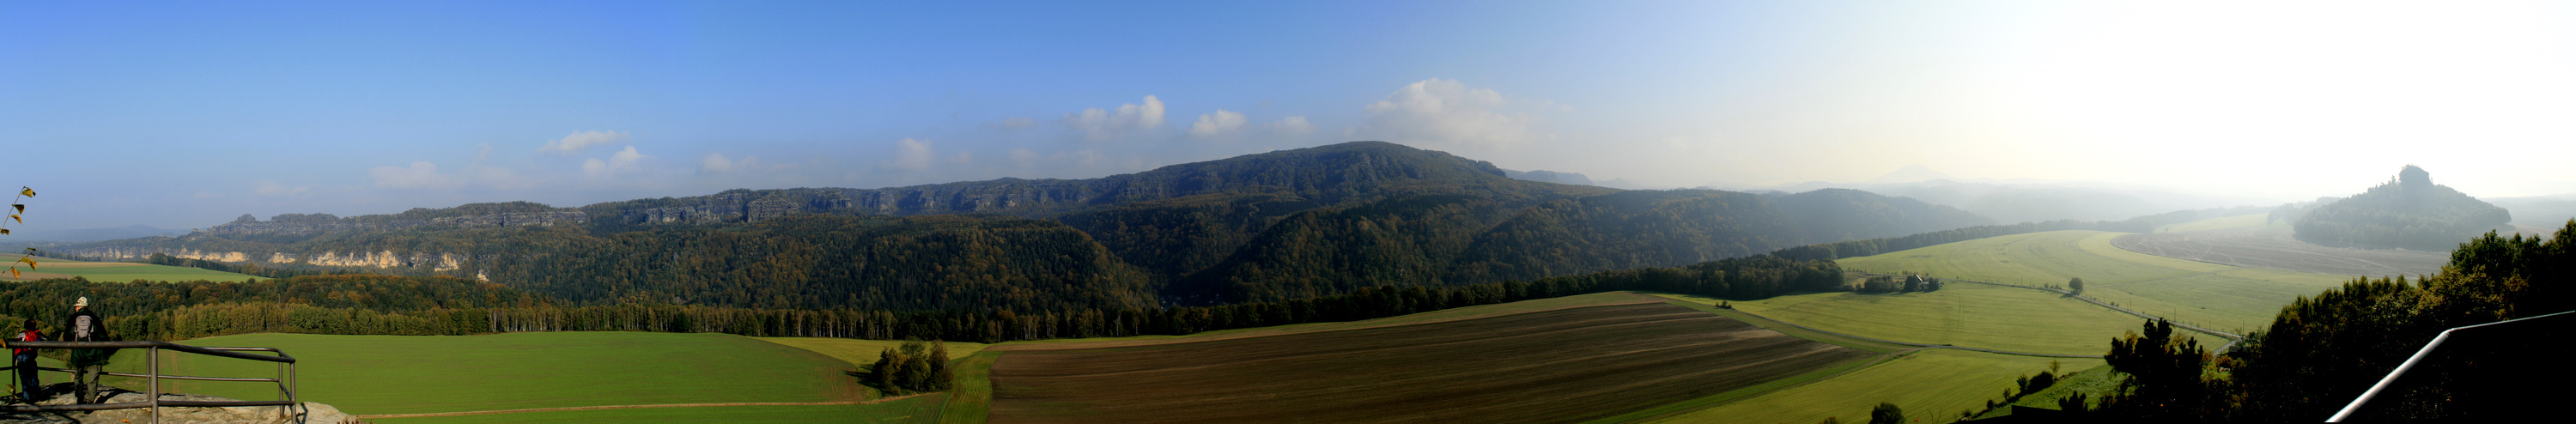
(1669, 212)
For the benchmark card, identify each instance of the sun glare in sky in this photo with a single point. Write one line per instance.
(206, 112)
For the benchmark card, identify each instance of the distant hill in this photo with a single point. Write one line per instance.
(1546, 176)
(1278, 225)
(2408, 212)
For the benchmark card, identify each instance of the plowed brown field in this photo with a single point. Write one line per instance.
(1555, 365)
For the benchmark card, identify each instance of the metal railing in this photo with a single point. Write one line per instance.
(152, 377)
(2421, 354)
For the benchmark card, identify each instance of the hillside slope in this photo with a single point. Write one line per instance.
(1278, 225)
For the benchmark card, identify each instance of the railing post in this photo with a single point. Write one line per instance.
(152, 380)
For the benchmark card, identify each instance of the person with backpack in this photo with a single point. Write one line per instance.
(26, 363)
(86, 364)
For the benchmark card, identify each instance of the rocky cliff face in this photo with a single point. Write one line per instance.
(310, 224)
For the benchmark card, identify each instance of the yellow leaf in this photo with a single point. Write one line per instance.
(4, 231)
(20, 220)
(31, 262)
(13, 272)
(29, 192)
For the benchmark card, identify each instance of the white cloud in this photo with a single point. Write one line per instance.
(1446, 112)
(1215, 124)
(1098, 125)
(1018, 123)
(911, 155)
(272, 188)
(575, 143)
(717, 164)
(421, 174)
(1293, 126)
(624, 161)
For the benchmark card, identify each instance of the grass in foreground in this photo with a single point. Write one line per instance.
(1934, 385)
(972, 401)
(114, 271)
(420, 374)
(2092, 382)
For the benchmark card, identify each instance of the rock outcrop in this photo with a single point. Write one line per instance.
(307, 412)
(288, 225)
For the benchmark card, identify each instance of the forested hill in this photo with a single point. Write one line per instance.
(1280, 225)
(2410, 212)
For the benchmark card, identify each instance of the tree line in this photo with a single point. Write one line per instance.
(400, 305)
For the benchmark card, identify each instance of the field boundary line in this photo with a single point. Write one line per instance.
(2232, 338)
(603, 407)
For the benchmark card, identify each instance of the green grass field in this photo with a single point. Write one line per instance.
(2239, 221)
(112, 271)
(1933, 385)
(972, 401)
(420, 374)
(1965, 315)
(2033, 259)
(2092, 382)
(2237, 301)
(2220, 297)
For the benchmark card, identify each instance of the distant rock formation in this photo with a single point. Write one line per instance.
(295, 225)
(308, 413)
(2408, 212)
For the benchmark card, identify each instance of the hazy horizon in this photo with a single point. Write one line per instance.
(187, 115)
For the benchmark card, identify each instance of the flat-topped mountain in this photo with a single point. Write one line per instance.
(2407, 212)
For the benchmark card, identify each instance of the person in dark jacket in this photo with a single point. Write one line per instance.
(26, 363)
(86, 326)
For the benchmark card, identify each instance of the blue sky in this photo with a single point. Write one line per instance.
(185, 115)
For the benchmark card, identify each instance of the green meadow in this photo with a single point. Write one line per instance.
(1964, 315)
(2220, 297)
(112, 271)
(368, 375)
